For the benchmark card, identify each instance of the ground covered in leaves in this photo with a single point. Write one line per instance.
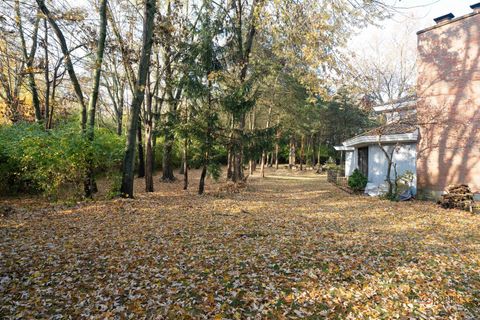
(288, 246)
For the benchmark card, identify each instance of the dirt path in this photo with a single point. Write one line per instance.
(288, 246)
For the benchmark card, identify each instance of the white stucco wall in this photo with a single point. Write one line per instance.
(405, 157)
(350, 165)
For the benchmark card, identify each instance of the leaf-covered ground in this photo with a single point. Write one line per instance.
(288, 246)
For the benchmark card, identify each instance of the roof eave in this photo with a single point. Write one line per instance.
(389, 138)
(343, 148)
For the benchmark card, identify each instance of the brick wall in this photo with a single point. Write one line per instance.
(448, 88)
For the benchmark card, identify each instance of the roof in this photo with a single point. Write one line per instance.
(386, 139)
(468, 15)
(391, 128)
(404, 130)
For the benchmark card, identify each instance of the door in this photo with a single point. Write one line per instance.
(363, 160)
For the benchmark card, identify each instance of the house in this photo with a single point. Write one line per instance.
(398, 137)
(435, 134)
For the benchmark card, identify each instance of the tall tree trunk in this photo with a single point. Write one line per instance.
(182, 167)
(167, 163)
(141, 153)
(313, 146)
(302, 151)
(116, 92)
(147, 41)
(201, 185)
(252, 162)
(307, 158)
(149, 161)
(263, 160)
(46, 75)
(276, 155)
(68, 62)
(53, 95)
(244, 50)
(229, 163)
(230, 151)
(119, 123)
(29, 58)
(238, 153)
(209, 139)
(180, 170)
(185, 164)
(156, 121)
(89, 184)
(262, 165)
(277, 142)
(291, 157)
(318, 153)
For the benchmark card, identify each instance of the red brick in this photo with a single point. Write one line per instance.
(448, 88)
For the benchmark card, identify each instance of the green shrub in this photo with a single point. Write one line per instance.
(357, 181)
(37, 161)
(214, 171)
(115, 179)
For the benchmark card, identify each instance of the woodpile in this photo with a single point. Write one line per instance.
(457, 197)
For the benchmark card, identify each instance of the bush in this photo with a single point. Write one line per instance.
(37, 161)
(357, 181)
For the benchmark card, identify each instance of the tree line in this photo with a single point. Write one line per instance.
(229, 82)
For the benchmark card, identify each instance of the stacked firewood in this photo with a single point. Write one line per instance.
(458, 197)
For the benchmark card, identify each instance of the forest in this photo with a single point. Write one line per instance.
(118, 89)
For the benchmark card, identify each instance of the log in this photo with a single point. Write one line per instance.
(457, 197)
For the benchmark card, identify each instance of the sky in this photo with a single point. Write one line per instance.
(417, 13)
(427, 10)
(411, 16)
(414, 15)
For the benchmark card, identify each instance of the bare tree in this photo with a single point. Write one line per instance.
(385, 70)
(67, 59)
(11, 78)
(29, 58)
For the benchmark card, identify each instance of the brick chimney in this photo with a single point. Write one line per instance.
(476, 7)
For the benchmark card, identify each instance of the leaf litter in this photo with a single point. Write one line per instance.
(290, 246)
